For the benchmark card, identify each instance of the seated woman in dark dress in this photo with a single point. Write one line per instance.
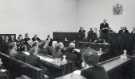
(94, 71)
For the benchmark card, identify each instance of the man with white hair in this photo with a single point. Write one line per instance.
(58, 50)
(54, 44)
(61, 45)
(72, 45)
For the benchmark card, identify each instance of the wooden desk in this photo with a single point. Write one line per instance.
(109, 65)
(55, 66)
(94, 45)
(114, 63)
(18, 67)
(55, 62)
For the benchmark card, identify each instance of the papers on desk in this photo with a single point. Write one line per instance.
(55, 61)
(77, 50)
(26, 53)
(72, 76)
(45, 58)
(3, 70)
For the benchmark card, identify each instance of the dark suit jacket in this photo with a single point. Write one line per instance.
(81, 34)
(95, 73)
(36, 39)
(125, 40)
(91, 36)
(104, 25)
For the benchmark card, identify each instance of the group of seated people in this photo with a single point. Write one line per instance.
(120, 41)
(26, 48)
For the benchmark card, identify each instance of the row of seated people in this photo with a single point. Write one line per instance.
(28, 44)
(27, 51)
(16, 48)
(124, 41)
(89, 57)
(55, 49)
(5, 41)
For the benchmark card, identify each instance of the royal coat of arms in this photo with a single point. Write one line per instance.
(117, 9)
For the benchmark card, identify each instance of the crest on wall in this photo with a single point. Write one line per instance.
(117, 9)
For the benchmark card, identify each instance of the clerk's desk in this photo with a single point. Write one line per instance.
(53, 65)
(94, 45)
(109, 65)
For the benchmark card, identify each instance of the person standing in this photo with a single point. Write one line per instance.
(92, 36)
(81, 34)
(104, 30)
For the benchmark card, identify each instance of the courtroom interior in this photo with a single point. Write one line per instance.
(67, 39)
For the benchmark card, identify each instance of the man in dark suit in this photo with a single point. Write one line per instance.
(104, 29)
(81, 34)
(20, 43)
(125, 39)
(96, 71)
(92, 36)
(104, 25)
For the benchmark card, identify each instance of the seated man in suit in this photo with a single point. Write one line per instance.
(92, 36)
(20, 43)
(94, 71)
(58, 51)
(26, 38)
(27, 41)
(12, 50)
